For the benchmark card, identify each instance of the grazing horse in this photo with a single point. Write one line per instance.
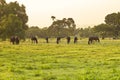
(46, 40)
(34, 39)
(68, 39)
(91, 39)
(58, 40)
(14, 40)
(75, 39)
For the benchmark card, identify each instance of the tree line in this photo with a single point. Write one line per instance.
(13, 22)
(64, 27)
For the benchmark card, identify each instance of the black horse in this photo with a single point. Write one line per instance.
(75, 39)
(68, 39)
(34, 39)
(47, 40)
(14, 40)
(17, 40)
(94, 38)
(58, 40)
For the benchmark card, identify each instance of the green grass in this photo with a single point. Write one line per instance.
(60, 61)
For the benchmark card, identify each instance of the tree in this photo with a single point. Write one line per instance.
(64, 27)
(2, 2)
(71, 25)
(44, 32)
(114, 20)
(7, 28)
(17, 18)
(105, 30)
(32, 31)
(19, 11)
(2, 7)
(86, 32)
(53, 17)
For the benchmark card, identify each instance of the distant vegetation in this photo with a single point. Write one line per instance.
(13, 19)
(67, 27)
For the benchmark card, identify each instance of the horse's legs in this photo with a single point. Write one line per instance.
(90, 42)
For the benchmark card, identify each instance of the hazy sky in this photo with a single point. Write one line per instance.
(84, 12)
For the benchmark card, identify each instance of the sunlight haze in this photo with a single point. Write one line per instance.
(84, 12)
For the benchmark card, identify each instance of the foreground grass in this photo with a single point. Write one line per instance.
(60, 62)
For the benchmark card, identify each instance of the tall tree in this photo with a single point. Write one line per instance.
(12, 14)
(36, 31)
(7, 28)
(19, 11)
(114, 20)
(64, 27)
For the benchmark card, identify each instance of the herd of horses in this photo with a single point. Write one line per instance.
(16, 40)
(68, 39)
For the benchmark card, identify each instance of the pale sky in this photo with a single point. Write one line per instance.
(84, 12)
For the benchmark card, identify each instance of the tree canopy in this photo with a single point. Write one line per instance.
(111, 27)
(64, 27)
(13, 19)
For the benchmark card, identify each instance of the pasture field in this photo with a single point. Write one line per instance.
(60, 61)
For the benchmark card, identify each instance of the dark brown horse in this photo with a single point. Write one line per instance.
(47, 40)
(75, 40)
(93, 38)
(68, 39)
(34, 39)
(58, 40)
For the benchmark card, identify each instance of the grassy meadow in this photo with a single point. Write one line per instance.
(42, 61)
